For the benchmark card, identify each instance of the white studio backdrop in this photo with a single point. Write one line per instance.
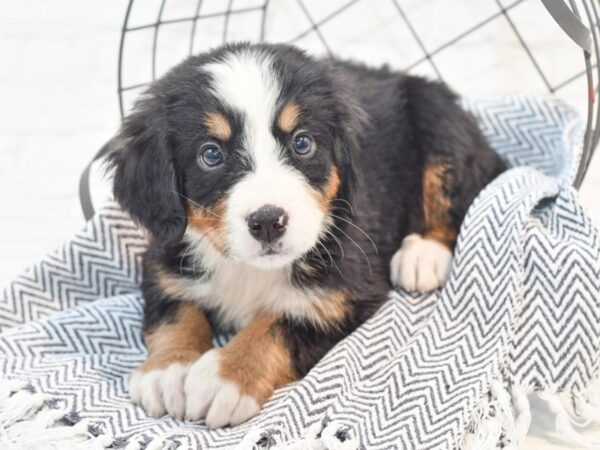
(58, 84)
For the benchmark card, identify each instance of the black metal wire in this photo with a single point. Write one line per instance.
(315, 27)
(120, 61)
(194, 25)
(591, 70)
(525, 46)
(263, 20)
(155, 37)
(593, 131)
(323, 21)
(417, 38)
(590, 133)
(226, 24)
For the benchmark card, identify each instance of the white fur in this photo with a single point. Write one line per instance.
(211, 397)
(420, 264)
(247, 83)
(238, 292)
(160, 391)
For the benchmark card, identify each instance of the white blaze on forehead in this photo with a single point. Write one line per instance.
(246, 82)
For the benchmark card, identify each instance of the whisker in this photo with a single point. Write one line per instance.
(185, 254)
(333, 264)
(359, 229)
(198, 206)
(346, 202)
(321, 258)
(343, 209)
(358, 246)
(339, 243)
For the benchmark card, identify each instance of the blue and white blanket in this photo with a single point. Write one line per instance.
(449, 370)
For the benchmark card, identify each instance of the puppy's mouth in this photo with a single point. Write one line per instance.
(272, 250)
(269, 252)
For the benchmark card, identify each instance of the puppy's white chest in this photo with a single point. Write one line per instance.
(240, 292)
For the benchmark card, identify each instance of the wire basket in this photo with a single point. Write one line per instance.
(477, 46)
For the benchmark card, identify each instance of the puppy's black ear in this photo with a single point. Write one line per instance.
(145, 182)
(352, 124)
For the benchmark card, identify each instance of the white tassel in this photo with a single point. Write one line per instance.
(98, 443)
(9, 387)
(43, 420)
(133, 445)
(330, 438)
(587, 403)
(20, 406)
(316, 437)
(504, 410)
(564, 422)
(60, 437)
(307, 442)
(522, 414)
(157, 443)
(26, 424)
(487, 430)
(485, 437)
(250, 439)
(588, 411)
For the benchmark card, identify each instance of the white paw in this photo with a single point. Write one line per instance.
(211, 397)
(160, 391)
(420, 264)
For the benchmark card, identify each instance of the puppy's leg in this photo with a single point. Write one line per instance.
(229, 385)
(423, 261)
(158, 384)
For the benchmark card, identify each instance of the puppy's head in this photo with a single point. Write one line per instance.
(246, 148)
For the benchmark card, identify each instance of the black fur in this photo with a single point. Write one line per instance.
(378, 128)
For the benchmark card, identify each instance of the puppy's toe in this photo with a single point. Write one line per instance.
(144, 388)
(201, 385)
(420, 264)
(160, 391)
(220, 402)
(172, 384)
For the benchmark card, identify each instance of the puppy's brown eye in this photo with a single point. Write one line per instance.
(302, 143)
(210, 155)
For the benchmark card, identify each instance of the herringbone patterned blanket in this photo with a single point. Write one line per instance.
(450, 370)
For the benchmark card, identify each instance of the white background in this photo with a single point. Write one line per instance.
(58, 82)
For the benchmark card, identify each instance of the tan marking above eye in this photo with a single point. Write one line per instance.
(289, 117)
(218, 126)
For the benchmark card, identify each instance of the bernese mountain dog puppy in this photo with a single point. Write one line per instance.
(284, 196)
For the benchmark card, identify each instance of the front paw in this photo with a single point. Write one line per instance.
(160, 391)
(210, 396)
(420, 264)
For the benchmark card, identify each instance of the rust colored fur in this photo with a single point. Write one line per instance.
(257, 359)
(218, 126)
(182, 341)
(437, 204)
(289, 117)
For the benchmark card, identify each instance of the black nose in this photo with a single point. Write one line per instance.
(267, 223)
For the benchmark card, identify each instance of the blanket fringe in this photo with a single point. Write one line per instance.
(30, 420)
(565, 423)
(587, 403)
(493, 422)
(332, 436)
(522, 412)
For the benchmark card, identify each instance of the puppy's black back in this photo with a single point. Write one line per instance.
(411, 120)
